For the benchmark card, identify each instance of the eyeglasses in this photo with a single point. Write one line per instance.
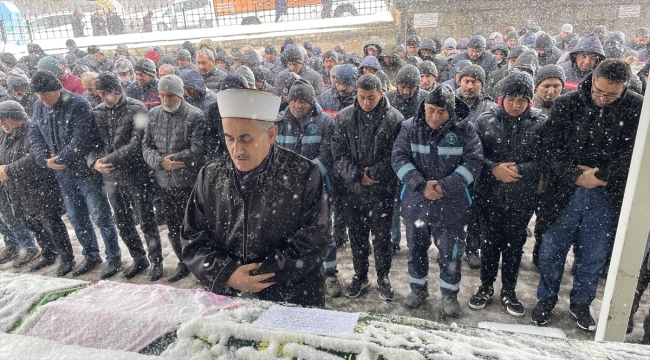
(601, 94)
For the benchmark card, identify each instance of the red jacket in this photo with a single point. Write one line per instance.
(71, 83)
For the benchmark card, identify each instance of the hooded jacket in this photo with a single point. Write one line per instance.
(429, 44)
(411, 76)
(148, 94)
(120, 140)
(363, 140)
(509, 139)
(481, 105)
(372, 62)
(182, 133)
(377, 43)
(552, 55)
(310, 137)
(527, 60)
(453, 156)
(574, 76)
(221, 231)
(307, 73)
(275, 66)
(580, 133)
(392, 69)
(193, 80)
(71, 83)
(31, 189)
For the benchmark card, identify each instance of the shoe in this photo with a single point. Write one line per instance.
(415, 299)
(481, 297)
(333, 286)
(44, 261)
(111, 268)
(450, 305)
(385, 290)
(180, 272)
(396, 248)
(356, 286)
(138, 266)
(8, 254)
(512, 304)
(156, 271)
(582, 314)
(64, 268)
(473, 260)
(542, 312)
(24, 257)
(87, 265)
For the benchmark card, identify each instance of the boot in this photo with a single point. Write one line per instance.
(45, 261)
(156, 271)
(111, 268)
(138, 266)
(180, 272)
(87, 265)
(65, 267)
(24, 257)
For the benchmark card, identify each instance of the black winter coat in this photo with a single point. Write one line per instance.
(283, 226)
(408, 108)
(580, 133)
(363, 140)
(32, 189)
(181, 133)
(508, 139)
(121, 130)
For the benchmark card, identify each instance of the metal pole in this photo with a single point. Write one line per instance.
(631, 238)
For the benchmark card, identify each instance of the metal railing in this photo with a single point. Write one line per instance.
(181, 15)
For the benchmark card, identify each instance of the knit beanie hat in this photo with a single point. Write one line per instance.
(10, 109)
(443, 97)
(476, 42)
(429, 68)
(331, 54)
(247, 73)
(462, 44)
(122, 66)
(286, 81)
(171, 83)
(302, 89)
(517, 83)
(549, 71)
(270, 49)
(91, 61)
(44, 81)
(516, 51)
(450, 42)
(233, 81)
(109, 82)
(408, 75)
(347, 74)
(474, 71)
(122, 47)
(79, 70)
(17, 80)
(8, 58)
(51, 64)
(146, 66)
(93, 49)
(183, 54)
(293, 55)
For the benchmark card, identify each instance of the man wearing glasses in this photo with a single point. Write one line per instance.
(584, 59)
(588, 145)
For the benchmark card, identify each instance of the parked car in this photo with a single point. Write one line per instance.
(185, 14)
(57, 25)
(14, 28)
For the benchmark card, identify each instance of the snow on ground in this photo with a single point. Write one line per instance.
(231, 32)
(370, 302)
(18, 347)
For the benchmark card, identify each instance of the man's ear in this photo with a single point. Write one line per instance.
(272, 133)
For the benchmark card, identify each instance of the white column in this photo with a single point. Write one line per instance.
(631, 237)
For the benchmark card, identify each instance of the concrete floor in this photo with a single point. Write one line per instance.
(431, 310)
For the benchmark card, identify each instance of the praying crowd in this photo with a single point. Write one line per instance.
(461, 141)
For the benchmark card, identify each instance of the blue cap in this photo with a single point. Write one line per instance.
(233, 81)
(347, 73)
(401, 48)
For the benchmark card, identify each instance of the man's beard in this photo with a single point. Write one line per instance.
(171, 110)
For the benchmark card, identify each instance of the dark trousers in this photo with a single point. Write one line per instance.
(474, 230)
(365, 216)
(339, 229)
(124, 197)
(450, 241)
(174, 201)
(504, 236)
(50, 234)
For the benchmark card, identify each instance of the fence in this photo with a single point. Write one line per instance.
(181, 15)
